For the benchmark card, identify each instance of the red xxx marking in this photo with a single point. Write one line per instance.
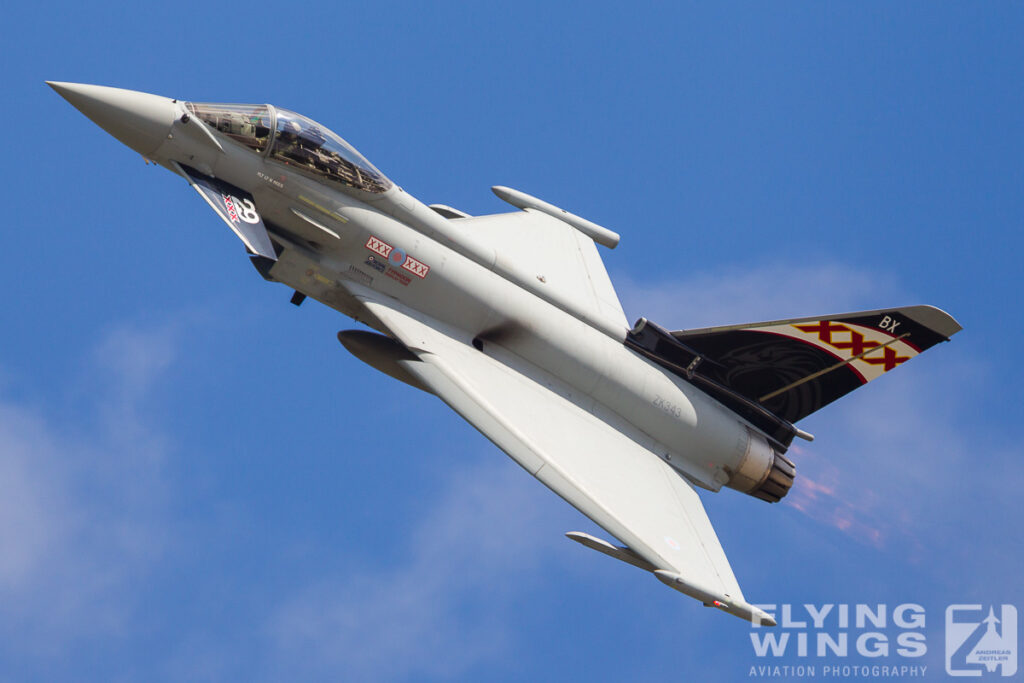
(855, 344)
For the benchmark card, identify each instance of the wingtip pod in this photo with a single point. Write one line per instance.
(619, 553)
(710, 598)
(521, 200)
(738, 608)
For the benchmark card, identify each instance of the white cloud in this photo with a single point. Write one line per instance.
(30, 515)
(85, 519)
(79, 503)
(737, 295)
(439, 611)
(919, 471)
(135, 357)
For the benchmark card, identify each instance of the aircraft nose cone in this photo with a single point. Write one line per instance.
(139, 120)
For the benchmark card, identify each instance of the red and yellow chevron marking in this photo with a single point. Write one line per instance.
(856, 344)
(846, 341)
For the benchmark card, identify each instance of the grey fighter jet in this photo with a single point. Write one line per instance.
(512, 321)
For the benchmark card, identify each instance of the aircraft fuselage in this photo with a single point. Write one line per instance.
(337, 240)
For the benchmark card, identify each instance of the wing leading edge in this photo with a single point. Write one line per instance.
(559, 256)
(589, 457)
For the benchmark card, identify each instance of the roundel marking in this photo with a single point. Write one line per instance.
(397, 257)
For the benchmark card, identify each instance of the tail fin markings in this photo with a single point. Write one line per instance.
(791, 368)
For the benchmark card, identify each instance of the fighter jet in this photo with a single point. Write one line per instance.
(512, 321)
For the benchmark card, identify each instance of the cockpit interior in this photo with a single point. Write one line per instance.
(293, 140)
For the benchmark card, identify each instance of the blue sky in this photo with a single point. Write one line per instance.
(198, 483)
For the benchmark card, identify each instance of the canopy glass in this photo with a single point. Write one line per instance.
(294, 140)
(309, 146)
(249, 124)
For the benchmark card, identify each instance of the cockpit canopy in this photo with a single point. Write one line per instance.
(293, 140)
(248, 124)
(308, 145)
